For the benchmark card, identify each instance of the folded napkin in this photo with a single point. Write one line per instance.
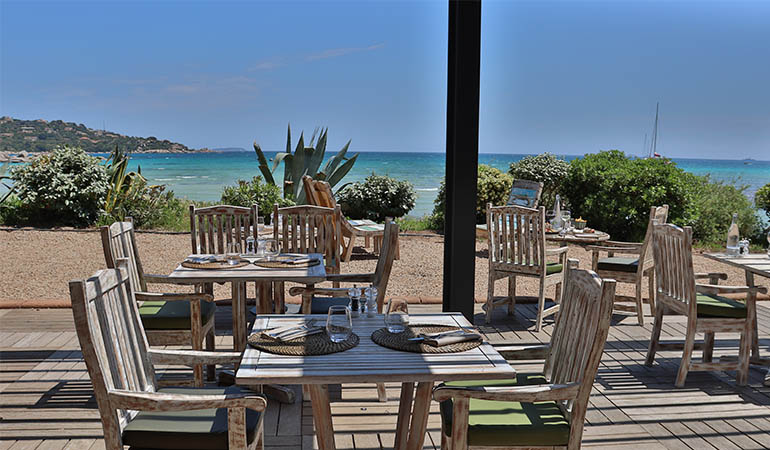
(299, 260)
(449, 337)
(290, 332)
(201, 259)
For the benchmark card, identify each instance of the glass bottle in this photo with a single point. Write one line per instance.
(556, 222)
(732, 237)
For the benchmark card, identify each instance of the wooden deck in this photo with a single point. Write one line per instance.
(46, 400)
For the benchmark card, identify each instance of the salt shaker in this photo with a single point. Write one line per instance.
(744, 246)
(371, 301)
(250, 248)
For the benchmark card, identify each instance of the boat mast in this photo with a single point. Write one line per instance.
(654, 143)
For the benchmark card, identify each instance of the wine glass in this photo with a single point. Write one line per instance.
(272, 248)
(233, 255)
(339, 324)
(565, 219)
(397, 315)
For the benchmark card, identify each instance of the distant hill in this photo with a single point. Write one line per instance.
(41, 136)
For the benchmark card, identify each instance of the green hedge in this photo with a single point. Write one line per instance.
(247, 193)
(546, 168)
(377, 197)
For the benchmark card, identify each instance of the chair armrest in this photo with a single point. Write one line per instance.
(529, 394)
(193, 357)
(301, 290)
(155, 401)
(713, 277)
(528, 352)
(717, 289)
(629, 250)
(351, 277)
(172, 297)
(556, 251)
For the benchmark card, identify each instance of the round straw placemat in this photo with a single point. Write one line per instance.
(279, 264)
(399, 341)
(313, 345)
(213, 265)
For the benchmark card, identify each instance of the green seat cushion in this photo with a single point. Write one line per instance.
(496, 423)
(552, 268)
(618, 264)
(161, 315)
(321, 305)
(200, 429)
(710, 305)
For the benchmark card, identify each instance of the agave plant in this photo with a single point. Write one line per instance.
(123, 184)
(306, 160)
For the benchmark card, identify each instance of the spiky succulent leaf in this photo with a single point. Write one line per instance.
(332, 164)
(263, 165)
(342, 170)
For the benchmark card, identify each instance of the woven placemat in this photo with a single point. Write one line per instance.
(213, 265)
(399, 341)
(313, 345)
(278, 264)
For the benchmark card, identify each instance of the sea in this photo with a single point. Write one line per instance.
(202, 176)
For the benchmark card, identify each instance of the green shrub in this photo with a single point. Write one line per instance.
(64, 187)
(762, 199)
(614, 193)
(493, 186)
(377, 197)
(11, 211)
(711, 210)
(247, 193)
(545, 167)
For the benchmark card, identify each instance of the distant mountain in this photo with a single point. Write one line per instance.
(230, 149)
(41, 136)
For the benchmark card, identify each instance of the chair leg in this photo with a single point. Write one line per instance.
(689, 344)
(211, 369)
(382, 394)
(651, 288)
(639, 309)
(657, 325)
(708, 346)
(398, 248)
(744, 354)
(367, 242)
(511, 294)
(490, 296)
(347, 250)
(540, 305)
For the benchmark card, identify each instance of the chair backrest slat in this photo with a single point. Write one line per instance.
(516, 237)
(112, 339)
(385, 261)
(579, 335)
(659, 214)
(309, 229)
(119, 241)
(674, 273)
(212, 228)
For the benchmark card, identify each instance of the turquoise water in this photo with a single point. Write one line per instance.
(202, 176)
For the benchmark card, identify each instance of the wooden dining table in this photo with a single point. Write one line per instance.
(239, 276)
(752, 264)
(373, 363)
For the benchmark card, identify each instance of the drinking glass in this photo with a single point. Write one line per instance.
(339, 324)
(397, 315)
(565, 219)
(272, 248)
(233, 255)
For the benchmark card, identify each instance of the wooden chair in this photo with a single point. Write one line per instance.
(213, 227)
(319, 193)
(630, 269)
(318, 300)
(677, 293)
(168, 318)
(517, 248)
(309, 229)
(537, 410)
(134, 412)
(525, 193)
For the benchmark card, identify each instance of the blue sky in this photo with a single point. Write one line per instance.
(569, 77)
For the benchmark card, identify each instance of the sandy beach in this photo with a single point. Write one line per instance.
(35, 265)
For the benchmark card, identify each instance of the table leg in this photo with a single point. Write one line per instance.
(404, 413)
(322, 416)
(754, 335)
(239, 317)
(420, 415)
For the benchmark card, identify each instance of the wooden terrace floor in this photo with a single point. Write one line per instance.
(46, 400)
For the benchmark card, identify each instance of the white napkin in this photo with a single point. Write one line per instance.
(451, 337)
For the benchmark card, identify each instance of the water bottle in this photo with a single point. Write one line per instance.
(732, 237)
(556, 222)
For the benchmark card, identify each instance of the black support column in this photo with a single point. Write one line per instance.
(462, 154)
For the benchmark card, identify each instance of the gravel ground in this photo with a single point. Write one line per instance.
(35, 265)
